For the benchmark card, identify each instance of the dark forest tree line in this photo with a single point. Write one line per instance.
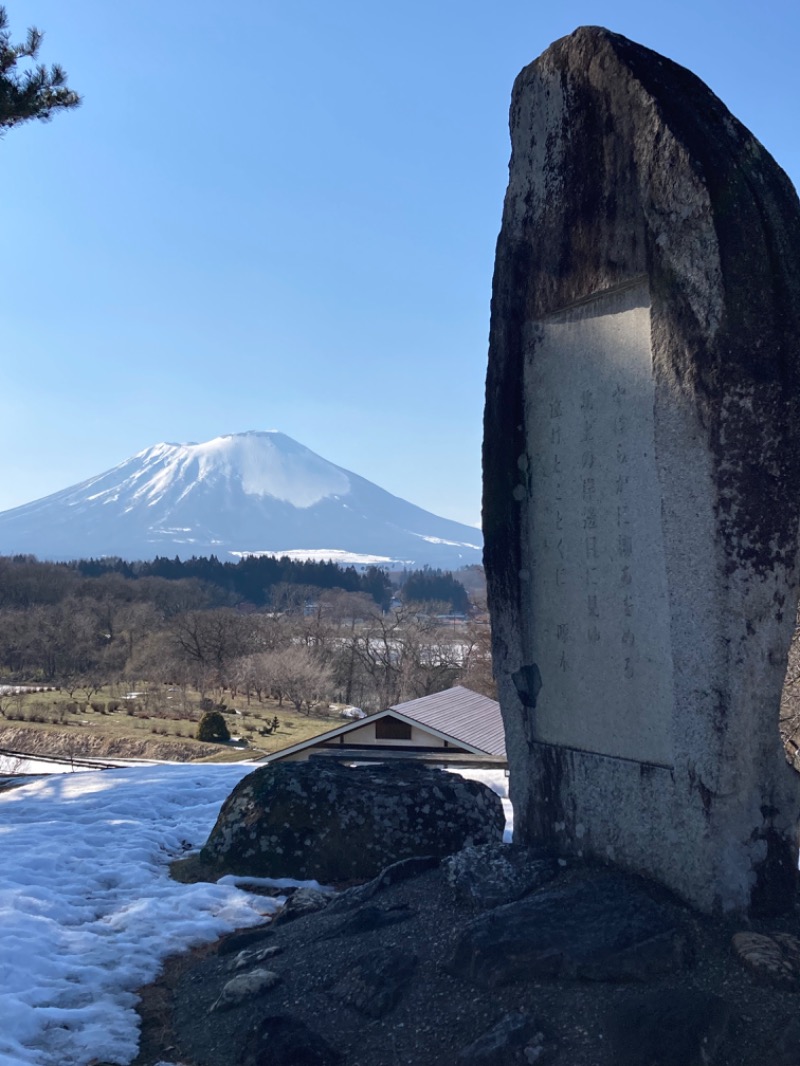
(258, 580)
(440, 586)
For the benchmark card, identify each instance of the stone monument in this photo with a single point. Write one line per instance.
(642, 475)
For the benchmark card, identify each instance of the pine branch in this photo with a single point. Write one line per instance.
(32, 93)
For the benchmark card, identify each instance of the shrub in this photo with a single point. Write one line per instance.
(113, 705)
(72, 708)
(99, 708)
(212, 727)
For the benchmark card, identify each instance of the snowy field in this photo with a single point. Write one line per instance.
(88, 911)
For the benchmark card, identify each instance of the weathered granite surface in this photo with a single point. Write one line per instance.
(337, 823)
(606, 929)
(492, 874)
(642, 475)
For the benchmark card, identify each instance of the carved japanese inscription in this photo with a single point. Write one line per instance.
(599, 579)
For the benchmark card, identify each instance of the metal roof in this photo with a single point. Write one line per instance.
(457, 715)
(462, 715)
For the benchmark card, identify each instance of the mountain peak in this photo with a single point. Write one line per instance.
(254, 492)
(263, 464)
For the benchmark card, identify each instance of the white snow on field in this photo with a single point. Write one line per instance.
(322, 555)
(87, 909)
(13, 764)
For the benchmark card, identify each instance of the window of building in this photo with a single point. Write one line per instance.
(392, 729)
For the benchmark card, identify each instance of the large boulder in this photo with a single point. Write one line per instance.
(338, 823)
(642, 476)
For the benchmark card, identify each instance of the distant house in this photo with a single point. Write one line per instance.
(454, 722)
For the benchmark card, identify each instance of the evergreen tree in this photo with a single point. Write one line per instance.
(34, 92)
(213, 727)
(421, 586)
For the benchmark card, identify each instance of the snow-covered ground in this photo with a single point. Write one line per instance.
(14, 764)
(87, 909)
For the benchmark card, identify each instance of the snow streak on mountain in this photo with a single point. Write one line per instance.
(245, 493)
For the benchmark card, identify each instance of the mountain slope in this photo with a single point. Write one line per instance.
(241, 493)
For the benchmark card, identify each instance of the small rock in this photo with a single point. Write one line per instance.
(245, 986)
(283, 1040)
(403, 870)
(673, 1027)
(303, 901)
(775, 958)
(516, 1038)
(246, 959)
(376, 982)
(493, 874)
(237, 942)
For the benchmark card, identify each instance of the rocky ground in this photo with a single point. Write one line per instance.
(433, 966)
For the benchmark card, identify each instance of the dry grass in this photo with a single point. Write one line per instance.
(165, 714)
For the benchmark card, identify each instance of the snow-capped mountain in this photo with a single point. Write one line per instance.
(245, 493)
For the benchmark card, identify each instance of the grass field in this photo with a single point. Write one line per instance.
(162, 713)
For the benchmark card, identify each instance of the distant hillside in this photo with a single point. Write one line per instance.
(246, 493)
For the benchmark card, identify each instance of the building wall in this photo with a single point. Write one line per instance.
(365, 736)
(419, 738)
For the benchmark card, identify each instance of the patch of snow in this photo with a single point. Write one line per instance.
(321, 555)
(273, 882)
(29, 765)
(89, 911)
(449, 543)
(15, 765)
(352, 712)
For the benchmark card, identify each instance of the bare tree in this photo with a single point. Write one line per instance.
(297, 675)
(211, 640)
(476, 666)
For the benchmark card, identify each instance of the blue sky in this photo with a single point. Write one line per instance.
(281, 214)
